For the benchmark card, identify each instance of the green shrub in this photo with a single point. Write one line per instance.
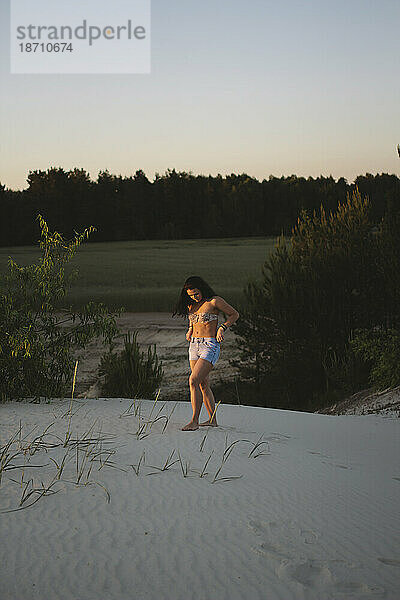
(130, 373)
(280, 371)
(380, 349)
(345, 373)
(258, 337)
(37, 340)
(328, 280)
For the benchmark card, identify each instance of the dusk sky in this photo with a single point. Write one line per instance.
(267, 88)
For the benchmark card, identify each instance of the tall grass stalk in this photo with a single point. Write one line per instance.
(68, 434)
(136, 468)
(257, 445)
(154, 403)
(202, 443)
(5, 456)
(229, 449)
(225, 457)
(215, 410)
(184, 465)
(203, 471)
(167, 465)
(60, 467)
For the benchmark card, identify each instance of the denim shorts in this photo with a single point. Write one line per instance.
(207, 348)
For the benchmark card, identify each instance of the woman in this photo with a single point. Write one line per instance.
(199, 302)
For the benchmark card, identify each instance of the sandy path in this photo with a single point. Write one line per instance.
(169, 336)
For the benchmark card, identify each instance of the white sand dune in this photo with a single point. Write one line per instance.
(315, 516)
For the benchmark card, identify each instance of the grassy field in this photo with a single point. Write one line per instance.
(147, 276)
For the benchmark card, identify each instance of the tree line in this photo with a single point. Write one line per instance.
(322, 323)
(178, 205)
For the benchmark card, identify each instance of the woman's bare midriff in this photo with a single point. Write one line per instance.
(204, 330)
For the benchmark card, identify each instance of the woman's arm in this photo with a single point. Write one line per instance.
(189, 333)
(229, 311)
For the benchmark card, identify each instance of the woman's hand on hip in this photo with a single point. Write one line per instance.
(220, 334)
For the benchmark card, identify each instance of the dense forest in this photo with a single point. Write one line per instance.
(177, 205)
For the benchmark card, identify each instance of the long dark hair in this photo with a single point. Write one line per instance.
(182, 306)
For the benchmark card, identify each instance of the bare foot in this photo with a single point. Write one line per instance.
(190, 426)
(209, 423)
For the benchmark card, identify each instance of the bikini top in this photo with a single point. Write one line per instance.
(202, 317)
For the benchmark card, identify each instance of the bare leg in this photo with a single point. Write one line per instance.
(209, 403)
(200, 370)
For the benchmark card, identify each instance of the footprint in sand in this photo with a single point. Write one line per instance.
(352, 587)
(277, 437)
(309, 537)
(266, 529)
(334, 576)
(281, 540)
(309, 572)
(336, 465)
(296, 555)
(392, 562)
(320, 454)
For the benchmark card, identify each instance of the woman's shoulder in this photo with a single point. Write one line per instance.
(220, 304)
(214, 301)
